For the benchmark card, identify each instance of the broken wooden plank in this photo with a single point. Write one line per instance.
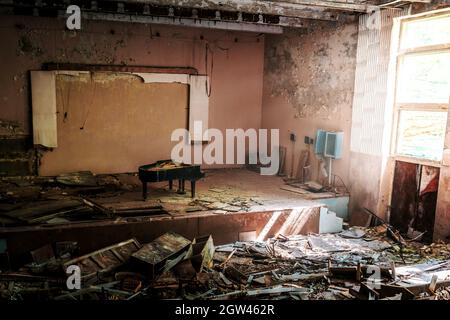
(433, 282)
(42, 208)
(97, 206)
(303, 168)
(152, 257)
(79, 179)
(223, 264)
(225, 279)
(25, 277)
(356, 272)
(308, 194)
(276, 290)
(369, 292)
(42, 254)
(387, 291)
(235, 274)
(302, 276)
(70, 213)
(104, 260)
(202, 252)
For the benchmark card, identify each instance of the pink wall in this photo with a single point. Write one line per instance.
(308, 85)
(237, 74)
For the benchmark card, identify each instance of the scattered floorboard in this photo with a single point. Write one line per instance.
(106, 259)
(296, 267)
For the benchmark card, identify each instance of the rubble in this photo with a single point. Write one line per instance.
(105, 260)
(354, 264)
(83, 196)
(66, 198)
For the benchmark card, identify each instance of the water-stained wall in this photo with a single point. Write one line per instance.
(308, 85)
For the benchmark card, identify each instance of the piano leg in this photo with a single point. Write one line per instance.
(180, 186)
(144, 190)
(192, 188)
(170, 184)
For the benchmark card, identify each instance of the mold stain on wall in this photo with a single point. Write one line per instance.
(304, 67)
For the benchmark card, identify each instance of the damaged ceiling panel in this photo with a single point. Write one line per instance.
(252, 16)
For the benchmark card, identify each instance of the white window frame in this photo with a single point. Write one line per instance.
(398, 107)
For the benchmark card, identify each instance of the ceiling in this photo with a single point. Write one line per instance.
(266, 16)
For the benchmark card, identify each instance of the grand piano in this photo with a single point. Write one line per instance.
(167, 170)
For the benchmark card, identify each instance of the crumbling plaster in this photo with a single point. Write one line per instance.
(308, 85)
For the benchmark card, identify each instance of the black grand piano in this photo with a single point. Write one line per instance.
(167, 170)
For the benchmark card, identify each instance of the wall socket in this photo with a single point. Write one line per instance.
(309, 140)
(292, 136)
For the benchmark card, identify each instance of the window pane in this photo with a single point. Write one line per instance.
(421, 134)
(424, 78)
(426, 32)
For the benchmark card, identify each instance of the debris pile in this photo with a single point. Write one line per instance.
(66, 198)
(83, 196)
(354, 264)
(224, 201)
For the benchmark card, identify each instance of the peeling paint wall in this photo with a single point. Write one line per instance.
(371, 117)
(237, 57)
(29, 42)
(308, 85)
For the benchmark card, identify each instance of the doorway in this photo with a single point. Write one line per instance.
(414, 197)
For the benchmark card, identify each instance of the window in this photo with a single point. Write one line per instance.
(422, 78)
(420, 134)
(425, 32)
(423, 87)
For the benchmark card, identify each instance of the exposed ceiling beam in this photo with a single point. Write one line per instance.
(188, 22)
(278, 7)
(396, 3)
(355, 6)
(255, 5)
(142, 11)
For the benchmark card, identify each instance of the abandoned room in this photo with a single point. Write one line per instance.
(224, 150)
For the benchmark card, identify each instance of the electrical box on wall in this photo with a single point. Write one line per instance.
(333, 145)
(308, 140)
(329, 144)
(319, 148)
